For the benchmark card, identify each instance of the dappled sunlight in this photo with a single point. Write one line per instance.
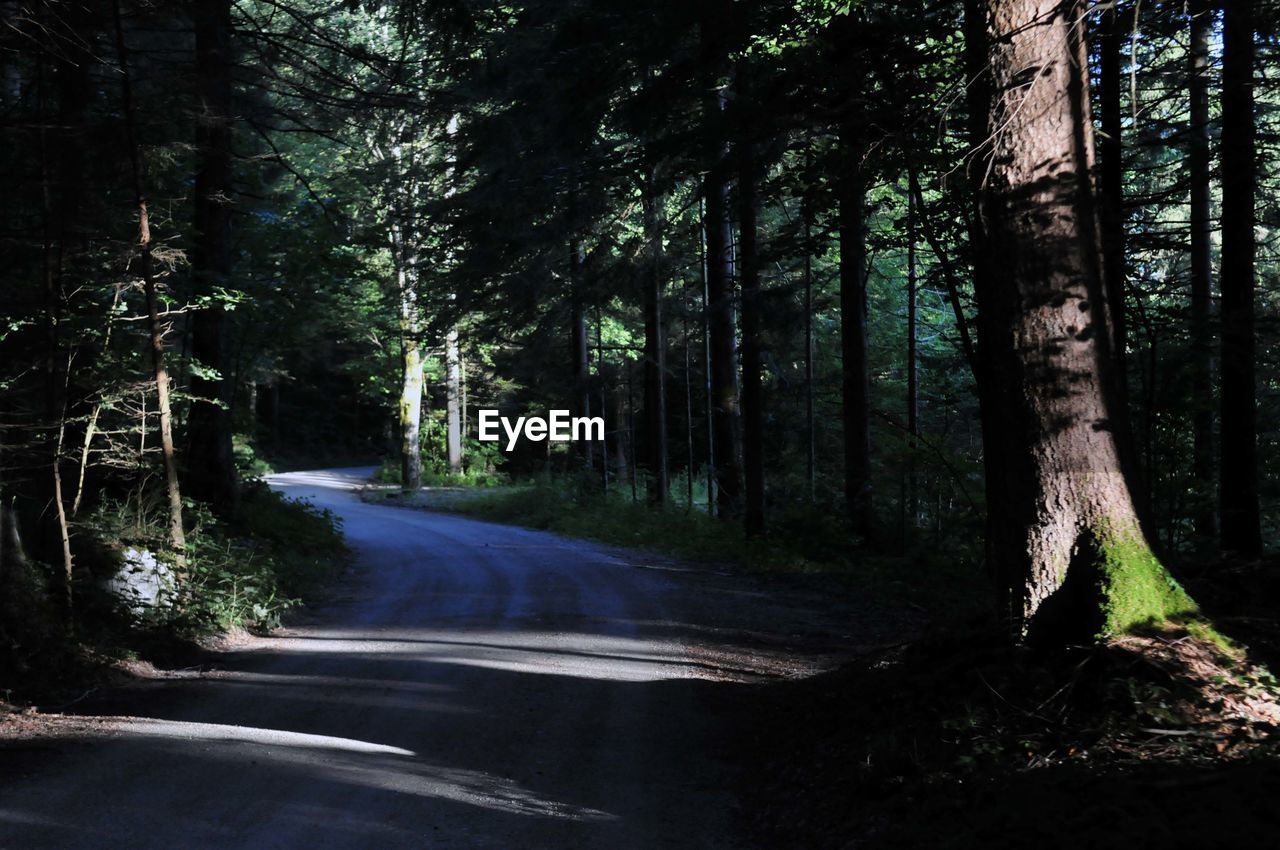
(247, 734)
(363, 764)
(559, 653)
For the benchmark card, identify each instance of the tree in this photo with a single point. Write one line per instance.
(752, 320)
(1063, 536)
(1241, 521)
(1198, 156)
(655, 341)
(853, 335)
(724, 360)
(211, 473)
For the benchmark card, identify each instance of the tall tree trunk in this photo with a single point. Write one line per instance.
(853, 337)
(1203, 517)
(604, 401)
(156, 329)
(708, 389)
(1241, 523)
(724, 359)
(913, 372)
(752, 400)
(811, 454)
(688, 397)
(411, 378)
(453, 402)
(655, 344)
(631, 430)
(211, 474)
(581, 350)
(1063, 535)
(1111, 206)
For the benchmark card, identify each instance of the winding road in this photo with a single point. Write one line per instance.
(468, 685)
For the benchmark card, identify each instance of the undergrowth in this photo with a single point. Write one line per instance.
(241, 571)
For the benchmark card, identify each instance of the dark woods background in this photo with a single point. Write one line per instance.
(744, 233)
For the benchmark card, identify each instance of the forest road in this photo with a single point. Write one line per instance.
(468, 685)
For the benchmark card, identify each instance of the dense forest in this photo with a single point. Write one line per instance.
(980, 295)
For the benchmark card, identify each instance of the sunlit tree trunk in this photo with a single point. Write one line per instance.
(156, 329)
(1063, 535)
(1241, 523)
(1201, 275)
(211, 475)
(411, 378)
(453, 402)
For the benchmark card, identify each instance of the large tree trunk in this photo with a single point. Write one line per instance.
(211, 475)
(655, 345)
(1203, 517)
(853, 338)
(752, 401)
(1063, 536)
(1241, 524)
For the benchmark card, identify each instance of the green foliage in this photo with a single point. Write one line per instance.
(242, 572)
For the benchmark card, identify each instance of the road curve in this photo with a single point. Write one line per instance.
(470, 685)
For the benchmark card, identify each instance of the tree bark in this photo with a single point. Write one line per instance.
(811, 449)
(1203, 517)
(453, 402)
(156, 330)
(211, 474)
(724, 360)
(913, 372)
(1111, 208)
(411, 378)
(655, 344)
(853, 338)
(1063, 536)
(1241, 523)
(752, 400)
(581, 350)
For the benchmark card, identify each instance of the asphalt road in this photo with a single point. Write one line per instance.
(469, 685)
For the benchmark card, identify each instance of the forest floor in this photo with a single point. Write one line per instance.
(952, 740)
(480, 685)
(468, 684)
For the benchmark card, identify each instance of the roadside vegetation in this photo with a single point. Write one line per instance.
(136, 599)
